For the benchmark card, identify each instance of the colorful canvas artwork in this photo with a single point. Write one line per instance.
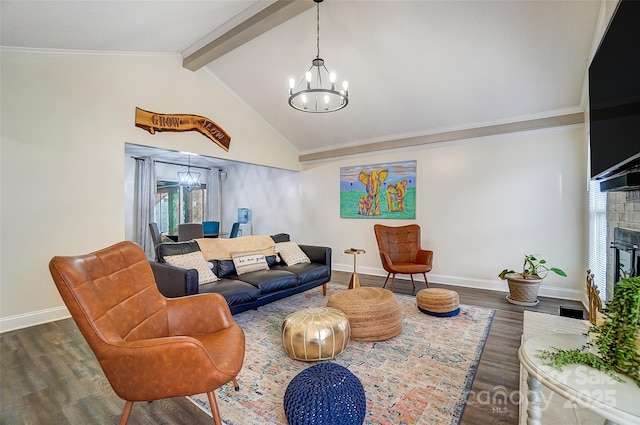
(385, 190)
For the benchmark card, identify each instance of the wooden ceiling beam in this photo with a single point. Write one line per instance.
(264, 20)
(448, 136)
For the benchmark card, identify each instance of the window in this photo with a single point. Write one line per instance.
(598, 236)
(175, 205)
(193, 205)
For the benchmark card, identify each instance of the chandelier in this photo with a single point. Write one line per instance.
(317, 92)
(189, 179)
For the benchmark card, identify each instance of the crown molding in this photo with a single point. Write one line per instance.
(30, 51)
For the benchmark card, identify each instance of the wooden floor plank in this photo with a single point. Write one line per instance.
(48, 374)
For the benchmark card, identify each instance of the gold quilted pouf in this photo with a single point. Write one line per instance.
(318, 333)
(438, 302)
(374, 313)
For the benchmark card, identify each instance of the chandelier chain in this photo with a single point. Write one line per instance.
(318, 29)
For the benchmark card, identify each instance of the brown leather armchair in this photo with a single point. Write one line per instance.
(149, 347)
(400, 252)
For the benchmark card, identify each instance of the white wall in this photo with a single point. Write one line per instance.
(272, 195)
(482, 203)
(64, 124)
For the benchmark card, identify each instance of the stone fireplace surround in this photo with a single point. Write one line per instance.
(623, 210)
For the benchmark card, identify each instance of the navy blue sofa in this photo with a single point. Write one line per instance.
(249, 290)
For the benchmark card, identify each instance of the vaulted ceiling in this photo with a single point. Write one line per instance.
(415, 68)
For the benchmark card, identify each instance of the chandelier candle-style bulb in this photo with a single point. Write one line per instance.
(317, 91)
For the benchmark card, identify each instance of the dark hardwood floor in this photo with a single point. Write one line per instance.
(48, 374)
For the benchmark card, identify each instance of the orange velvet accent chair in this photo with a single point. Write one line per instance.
(400, 252)
(149, 347)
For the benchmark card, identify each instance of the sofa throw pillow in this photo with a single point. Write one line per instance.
(246, 262)
(291, 253)
(194, 260)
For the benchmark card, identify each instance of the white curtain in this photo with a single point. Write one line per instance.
(214, 195)
(145, 199)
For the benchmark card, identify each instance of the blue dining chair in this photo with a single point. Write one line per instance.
(234, 230)
(210, 227)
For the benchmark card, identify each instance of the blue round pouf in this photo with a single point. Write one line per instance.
(325, 394)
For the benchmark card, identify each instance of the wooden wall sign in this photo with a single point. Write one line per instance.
(153, 122)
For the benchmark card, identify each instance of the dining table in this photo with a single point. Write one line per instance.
(174, 236)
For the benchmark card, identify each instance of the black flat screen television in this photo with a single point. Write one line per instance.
(614, 96)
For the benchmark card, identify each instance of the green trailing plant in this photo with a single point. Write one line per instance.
(534, 268)
(616, 343)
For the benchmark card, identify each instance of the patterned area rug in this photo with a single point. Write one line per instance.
(422, 376)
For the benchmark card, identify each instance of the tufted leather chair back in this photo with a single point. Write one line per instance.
(149, 347)
(112, 295)
(400, 252)
(400, 243)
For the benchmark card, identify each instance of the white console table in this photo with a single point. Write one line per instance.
(618, 402)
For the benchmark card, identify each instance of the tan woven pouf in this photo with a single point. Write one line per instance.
(374, 313)
(316, 333)
(438, 302)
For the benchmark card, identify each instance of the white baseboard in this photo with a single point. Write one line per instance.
(489, 285)
(26, 320)
(57, 313)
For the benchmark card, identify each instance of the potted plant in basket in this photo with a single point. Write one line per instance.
(524, 286)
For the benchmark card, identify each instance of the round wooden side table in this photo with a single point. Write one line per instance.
(355, 281)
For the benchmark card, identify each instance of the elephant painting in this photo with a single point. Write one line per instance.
(378, 191)
(370, 203)
(395, 196)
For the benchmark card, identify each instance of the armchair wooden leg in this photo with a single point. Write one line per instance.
(324, 289)
(235, 385)
(214, 408)
(426, 282)
(126, 412)
(385, 281)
